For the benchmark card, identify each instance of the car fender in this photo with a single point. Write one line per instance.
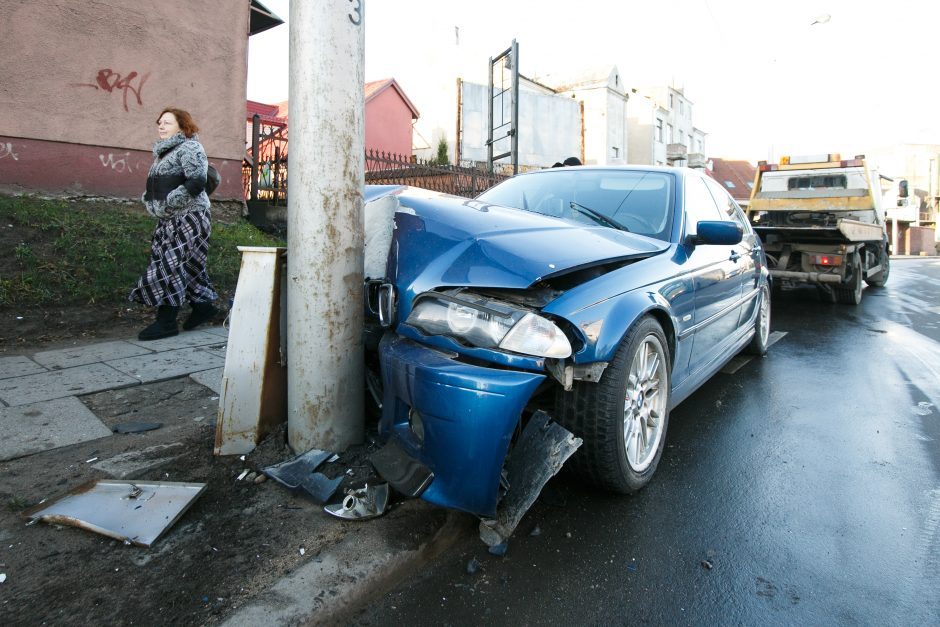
(604, 324)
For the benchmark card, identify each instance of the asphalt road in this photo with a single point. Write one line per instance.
(803, 489)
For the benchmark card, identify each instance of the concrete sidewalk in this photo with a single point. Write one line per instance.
(39, 406)
(45, 422)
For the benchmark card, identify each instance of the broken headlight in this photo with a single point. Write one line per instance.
(487, 324)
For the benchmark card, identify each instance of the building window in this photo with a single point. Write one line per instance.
(669, 134)
(659, 130)
(681, 107)
(671, 104)
(750, 184)
(616, 152)
(682, 137)
(729, 184)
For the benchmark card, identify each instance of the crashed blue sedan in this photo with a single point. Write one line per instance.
(600, 297)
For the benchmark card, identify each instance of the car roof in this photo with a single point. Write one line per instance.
(667, 169)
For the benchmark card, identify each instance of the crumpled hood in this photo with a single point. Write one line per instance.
(448, 240)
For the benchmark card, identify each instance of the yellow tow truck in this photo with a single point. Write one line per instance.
(821, 222)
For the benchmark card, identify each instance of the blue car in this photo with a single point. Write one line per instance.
(601, 296)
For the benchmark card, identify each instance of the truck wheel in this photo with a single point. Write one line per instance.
(622, 418)
(879, 280)
(851, 293)
(758, 345)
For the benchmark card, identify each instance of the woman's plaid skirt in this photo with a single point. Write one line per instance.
(177, 271)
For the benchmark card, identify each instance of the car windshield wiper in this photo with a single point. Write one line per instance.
(597, 216)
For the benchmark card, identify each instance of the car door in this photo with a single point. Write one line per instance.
(716, 279)
(748, 250)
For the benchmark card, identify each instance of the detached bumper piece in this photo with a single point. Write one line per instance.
(407, 475)
(538, 456)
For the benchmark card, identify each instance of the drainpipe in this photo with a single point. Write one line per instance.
(325, 370)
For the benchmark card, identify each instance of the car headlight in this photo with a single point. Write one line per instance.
(490, 325)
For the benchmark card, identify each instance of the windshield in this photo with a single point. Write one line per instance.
(629, 200)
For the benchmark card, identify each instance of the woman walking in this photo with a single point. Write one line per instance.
(180, 244)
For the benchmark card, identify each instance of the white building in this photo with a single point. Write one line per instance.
(661, 128)
(605, 112)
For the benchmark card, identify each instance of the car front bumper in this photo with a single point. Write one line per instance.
(467, 413)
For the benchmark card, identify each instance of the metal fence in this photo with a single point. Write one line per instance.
(381, 168)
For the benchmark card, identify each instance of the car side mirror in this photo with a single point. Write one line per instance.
(717, 232)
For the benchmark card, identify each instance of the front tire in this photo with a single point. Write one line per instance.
(622, 418)
(879, 280)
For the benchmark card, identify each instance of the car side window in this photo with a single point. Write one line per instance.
(731, 210)
(699, 205)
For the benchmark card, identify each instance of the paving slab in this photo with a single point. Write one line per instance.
(183, 340)
(76, 381)
(212, 379)
(167, 365)
(18, 367)
(223, 331)
(88, 354)
(45, 425)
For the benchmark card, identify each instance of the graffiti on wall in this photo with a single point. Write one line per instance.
(110, 81)
(6, 150)
(116, 162)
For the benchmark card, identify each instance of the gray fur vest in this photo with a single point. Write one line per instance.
(177, 177)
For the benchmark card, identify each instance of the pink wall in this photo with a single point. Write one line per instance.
(29, 164)
(388, 123)
(86, 80)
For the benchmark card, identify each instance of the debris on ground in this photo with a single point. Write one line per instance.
(363, 504)
(136, 427)
(135, 512)
(499, 550)
(473, 566)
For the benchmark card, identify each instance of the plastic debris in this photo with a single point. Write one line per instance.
(298, 474)
(93, 459)
(499, 549)
(261, 478)
(3, 577)
(302, 550)
(473, 566)
(542, 450)
(536, 531)
(403, 472)
(243, 474)
(362, 504)
(707, 565)
(136, 427)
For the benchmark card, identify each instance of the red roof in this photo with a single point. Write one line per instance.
(736, 176)
(374, 88)
(269, 114)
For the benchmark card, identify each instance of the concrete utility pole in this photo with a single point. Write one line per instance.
(325, 370)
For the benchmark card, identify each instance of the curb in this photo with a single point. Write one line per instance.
(344, 577)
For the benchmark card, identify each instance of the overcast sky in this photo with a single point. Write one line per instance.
(764, 78)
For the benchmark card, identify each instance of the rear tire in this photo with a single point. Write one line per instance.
(622, 418)
(759, 342)
(851, 293)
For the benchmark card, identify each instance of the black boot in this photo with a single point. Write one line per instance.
(165, 325)
(202, 312)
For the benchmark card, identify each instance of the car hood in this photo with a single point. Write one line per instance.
(443, 240)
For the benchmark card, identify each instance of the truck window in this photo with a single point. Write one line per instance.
(818, 182)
